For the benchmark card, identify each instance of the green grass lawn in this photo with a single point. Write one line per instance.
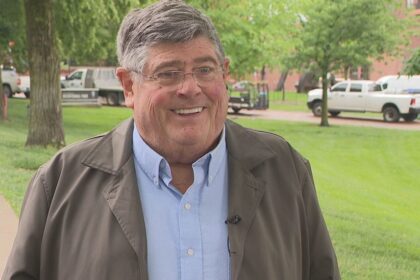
(289, 101)
(367, 182)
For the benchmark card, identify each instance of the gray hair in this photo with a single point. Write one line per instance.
(165, 21)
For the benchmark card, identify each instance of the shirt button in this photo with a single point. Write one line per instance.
(190, 252)
(187, 206)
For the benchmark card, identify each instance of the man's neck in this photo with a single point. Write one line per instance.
(182, 176)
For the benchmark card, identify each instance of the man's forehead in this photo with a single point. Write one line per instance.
(197, 48)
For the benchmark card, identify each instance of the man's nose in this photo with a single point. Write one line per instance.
(189, 84)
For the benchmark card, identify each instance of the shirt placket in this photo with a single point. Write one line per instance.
(191, 250)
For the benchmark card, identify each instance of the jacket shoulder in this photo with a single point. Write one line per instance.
(97, 145)
(257, 140)
(75, 159)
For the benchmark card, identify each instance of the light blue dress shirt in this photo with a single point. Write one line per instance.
(187, 238)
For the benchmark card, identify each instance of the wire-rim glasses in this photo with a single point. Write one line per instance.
(174, 78)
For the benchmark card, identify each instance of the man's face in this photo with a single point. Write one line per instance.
(180, 121)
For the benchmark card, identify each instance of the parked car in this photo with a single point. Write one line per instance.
(101, 79)
(398, 84)
(25, 85)
(247, 95)
(364, 96)
(11, 81)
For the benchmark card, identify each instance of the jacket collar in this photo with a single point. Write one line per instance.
(114, 150)
(242, 146)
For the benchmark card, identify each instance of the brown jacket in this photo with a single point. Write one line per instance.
(82, 217)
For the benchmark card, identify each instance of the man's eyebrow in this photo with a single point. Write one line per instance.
(179, 63)
(171, 63)
(205, 59)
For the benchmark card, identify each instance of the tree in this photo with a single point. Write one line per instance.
(45, 114)
(333, 34)
(12, 30)
(254, 33)
(11, 39)
(87, 31)
(79, 27)
(412, 65)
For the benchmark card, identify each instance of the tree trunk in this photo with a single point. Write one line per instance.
(45, 114)
(282, 80)
(281, 83)
(324, 116)
(263, 73)
(2, 103)
(347, 72)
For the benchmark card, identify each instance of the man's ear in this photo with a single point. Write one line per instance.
(127, 83)
(226, 69)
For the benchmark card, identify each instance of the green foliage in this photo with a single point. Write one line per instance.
(12, 28)
(334, 34)
(340, 33)
(254, 33)
(412, 65)
(87, 29)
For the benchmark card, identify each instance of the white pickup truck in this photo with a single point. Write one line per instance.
(11, 81)
(101, 79)
(366, 96)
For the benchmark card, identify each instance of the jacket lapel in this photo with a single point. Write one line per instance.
(245, 194)
(123, 199)
(114, 155)
(246, 153)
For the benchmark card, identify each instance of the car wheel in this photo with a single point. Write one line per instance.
(317, 108)
(112, 99)
(410, 117)
(236, 110)
(391, 114)
(334, 113)
(7, 91)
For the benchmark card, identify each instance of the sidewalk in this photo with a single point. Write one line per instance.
(8, 228)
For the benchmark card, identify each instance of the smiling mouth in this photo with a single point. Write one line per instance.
(189, 111)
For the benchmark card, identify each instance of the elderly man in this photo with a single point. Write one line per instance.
(177, 192)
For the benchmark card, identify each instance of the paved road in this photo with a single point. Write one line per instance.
(340, 120)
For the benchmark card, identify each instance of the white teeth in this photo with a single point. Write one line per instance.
(189, 111)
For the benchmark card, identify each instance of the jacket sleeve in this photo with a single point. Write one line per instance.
(24, 259)
(323, 261)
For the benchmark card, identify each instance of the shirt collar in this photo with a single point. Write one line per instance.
(155, 166)
(217, 156)
(148, 160)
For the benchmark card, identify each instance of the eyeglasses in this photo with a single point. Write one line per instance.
(173, 78)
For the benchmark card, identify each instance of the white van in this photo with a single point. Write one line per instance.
(399, 84)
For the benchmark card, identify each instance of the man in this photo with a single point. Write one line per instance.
(178, 192)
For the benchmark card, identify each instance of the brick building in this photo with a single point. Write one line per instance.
(389, 66)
